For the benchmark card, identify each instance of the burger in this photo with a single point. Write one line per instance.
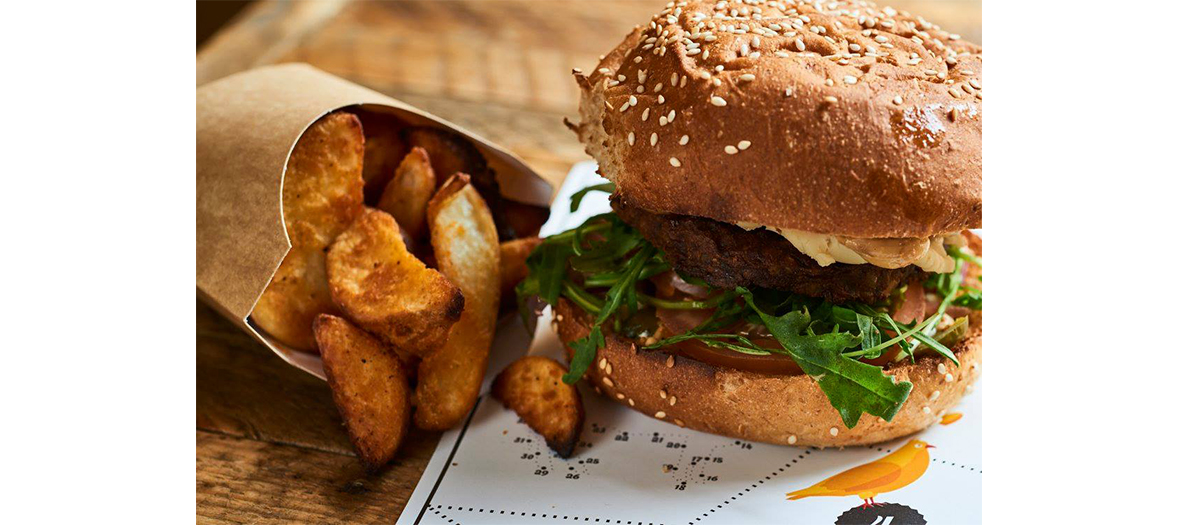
(789, 256)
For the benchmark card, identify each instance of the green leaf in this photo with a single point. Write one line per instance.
(870, 336)
(584, 351)
(550, 271)
(576, 198)
(852, 387)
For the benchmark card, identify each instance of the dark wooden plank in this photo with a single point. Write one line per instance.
(241, 480)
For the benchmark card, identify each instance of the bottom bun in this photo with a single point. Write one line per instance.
(785, 410)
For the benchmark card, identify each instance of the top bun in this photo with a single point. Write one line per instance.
(838, 118)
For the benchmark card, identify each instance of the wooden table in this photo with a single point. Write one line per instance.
(270, 446)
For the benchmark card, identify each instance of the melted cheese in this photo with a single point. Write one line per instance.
(926, 253)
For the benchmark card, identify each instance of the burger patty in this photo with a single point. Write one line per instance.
(727, 256)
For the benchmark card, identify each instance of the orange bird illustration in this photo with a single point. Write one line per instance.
(887, 474)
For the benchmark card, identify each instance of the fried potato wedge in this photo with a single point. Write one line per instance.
(322, 195)
(523, 220)
(384, 149)
(468, 252)
(450, 153)
(406, 196)
(513, 269)
(382, 287)
(532, 387)
(369, 386)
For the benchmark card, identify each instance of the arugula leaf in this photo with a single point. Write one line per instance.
(852, 387)
(584, 351)
(870, 335)
(576, 198)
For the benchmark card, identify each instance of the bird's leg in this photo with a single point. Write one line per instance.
(866, 504)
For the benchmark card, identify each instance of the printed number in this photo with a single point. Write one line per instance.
(527, 456)
(657, 439)
(622, 437)
(591, 461)
(681, 485)
(711, 478)
(883, 521)
(672, 444)
(572, 476)
(541, 472)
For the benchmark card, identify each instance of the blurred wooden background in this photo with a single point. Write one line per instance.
(270, 448)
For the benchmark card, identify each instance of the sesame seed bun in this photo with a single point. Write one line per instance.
(853, 121)
(784, 410)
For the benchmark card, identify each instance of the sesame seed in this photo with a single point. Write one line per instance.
(654, 138)
(788, 92)
(941, 368)
(624, 107)
(630, 401)
(716, 81)
(717, 101)
(731, 150)
(678, 422)
(897, 100)
(670, 362)
(834, 431)
(880, 39)
(631, 138)
(639, 89)
(663, 394)
(934, 395)
(609, 369)
(602, 363)
(638, 59)
(744, 145)
(799, 44)
(675, 162)
(661, 415)
(781, 54)
(672, 401)
(646, 113)
(683, 140)
(683, 80)
(829, 82)
(671, 115)
(747, 77)
(663, 120)
(949, 378)
(925, 410)
(658, 87)
(975, 84)
(604, 71)
(619, 395)
(660, 99)
(849, 79)
(607, 381)
(830, 99)
(792, 439)
(632, 100)
(674, 77)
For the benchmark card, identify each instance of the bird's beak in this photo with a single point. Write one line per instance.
(931, 446)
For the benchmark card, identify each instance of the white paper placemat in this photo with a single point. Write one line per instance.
(630, 469)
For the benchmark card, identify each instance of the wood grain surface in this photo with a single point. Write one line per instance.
(270, 445)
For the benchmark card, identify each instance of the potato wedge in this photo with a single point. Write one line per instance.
(532, 387)
(384, 149)
(406, 195)
(382, 287)
(450, 153)
(513, 269)
(369, 386)
(468, 252)
(322, 195)
(523, 220)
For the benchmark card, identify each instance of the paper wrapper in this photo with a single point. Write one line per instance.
(247, 125)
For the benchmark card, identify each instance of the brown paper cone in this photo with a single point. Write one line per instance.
(247, 125)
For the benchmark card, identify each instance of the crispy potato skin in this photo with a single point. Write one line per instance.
(369, 386)
(532, 387)
(406, 196)
(468, 252)
(386, 290)
(513, 269)
(322, 195)
(384, 149)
